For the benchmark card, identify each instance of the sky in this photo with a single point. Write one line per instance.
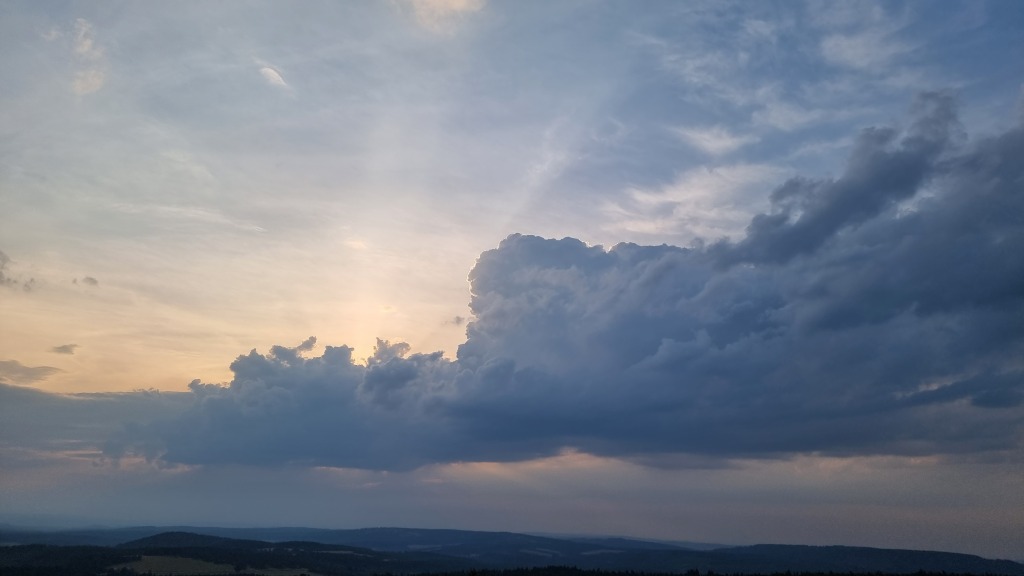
(733, 272)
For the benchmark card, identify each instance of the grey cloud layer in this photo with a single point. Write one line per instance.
(878, 313)
(37, 421)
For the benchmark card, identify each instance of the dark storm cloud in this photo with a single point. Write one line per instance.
(326, 410)
(882, 312)
(878, 313)
(883, 169)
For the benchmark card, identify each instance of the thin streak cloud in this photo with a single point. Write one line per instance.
(442, 16)
(715, 140)
(273, 77)
(91, 74)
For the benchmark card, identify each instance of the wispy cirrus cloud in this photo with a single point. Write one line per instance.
(869, 50)
(90, 59)
(442, 16)
(186, 215)
(706, 202)
(786, 116)
(714, 140)
(273, 77)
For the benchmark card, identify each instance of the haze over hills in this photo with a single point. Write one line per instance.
(407, 550)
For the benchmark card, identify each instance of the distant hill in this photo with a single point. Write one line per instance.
(860, 559)
(80, 537)
(191, 540)
(410, 551)
(640, 544)
(191, 554)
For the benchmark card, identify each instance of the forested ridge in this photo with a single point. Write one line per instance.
(464, 553)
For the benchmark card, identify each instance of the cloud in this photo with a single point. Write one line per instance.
(51, 34)
(872, 314)
(90, 59)
(64, 349)
(787, 116)
(37, 420)
(14, 372)
(870, 50)
(442, 15)
(273, 77)
(883, 169)
(4, 279)
(84, 42)
(181, 216)
(707, 72)
(706, 202)
(829, 15)
(88, 81)
(715, 140)
(326, 410)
